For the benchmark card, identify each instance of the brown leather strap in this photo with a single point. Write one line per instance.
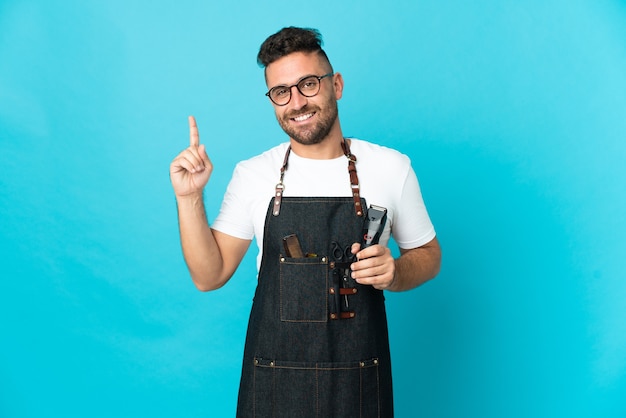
(347, 291)
(280, 187)
(343, 315)
(354, 180)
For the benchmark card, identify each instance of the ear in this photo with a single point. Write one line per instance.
(338, 85)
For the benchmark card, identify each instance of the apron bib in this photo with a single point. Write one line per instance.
(317, 342)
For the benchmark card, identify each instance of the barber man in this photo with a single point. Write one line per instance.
(317, 342)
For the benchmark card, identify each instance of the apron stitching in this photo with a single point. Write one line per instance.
(273, 392)
(361, 392)
(317, 392)
(254, 391)
(378, 391)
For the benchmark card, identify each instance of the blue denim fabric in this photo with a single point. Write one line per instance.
(297, 361)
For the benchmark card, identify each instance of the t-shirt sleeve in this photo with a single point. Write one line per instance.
(234, 219)
(412, 226)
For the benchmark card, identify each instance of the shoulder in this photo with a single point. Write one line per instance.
(258, 174)
(262, 168)
(272, 158)
(374, 155)
(369, 150)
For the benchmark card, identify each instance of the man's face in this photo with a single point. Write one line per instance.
(307, 120)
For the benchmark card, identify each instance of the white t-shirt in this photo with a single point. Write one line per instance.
(386, 179)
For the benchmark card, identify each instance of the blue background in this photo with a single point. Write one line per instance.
(513, 113)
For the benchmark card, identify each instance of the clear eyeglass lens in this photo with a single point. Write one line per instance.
(280, 94)
(309, 86)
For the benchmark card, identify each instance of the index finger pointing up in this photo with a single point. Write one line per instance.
(194, 136)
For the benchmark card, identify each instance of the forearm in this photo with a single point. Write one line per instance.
(416, 266)
(200, 249)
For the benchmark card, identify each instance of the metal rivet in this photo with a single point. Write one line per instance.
(282, 259)
(323, 259)
(276, 213)
(362, 364)
(359, 213)
(375, 361)
(351, 314)
(332, 291)
(271, 364)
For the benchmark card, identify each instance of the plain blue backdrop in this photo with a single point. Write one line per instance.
(514, 116)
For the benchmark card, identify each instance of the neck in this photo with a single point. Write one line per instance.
(326, 150)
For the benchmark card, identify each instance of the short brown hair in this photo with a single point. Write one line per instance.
(289, 40)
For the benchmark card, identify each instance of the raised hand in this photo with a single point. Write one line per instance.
(191, 169)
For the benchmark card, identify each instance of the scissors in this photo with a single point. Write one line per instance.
(341, 254)
(343, 258)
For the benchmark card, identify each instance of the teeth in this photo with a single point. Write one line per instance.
(303, 117)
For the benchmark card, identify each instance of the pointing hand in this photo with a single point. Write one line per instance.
(191, 169)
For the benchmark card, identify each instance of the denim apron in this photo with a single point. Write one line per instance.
(317, 342)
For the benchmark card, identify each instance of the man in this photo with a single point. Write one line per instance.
(317, 341)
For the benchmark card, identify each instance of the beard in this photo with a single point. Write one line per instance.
(315, 134)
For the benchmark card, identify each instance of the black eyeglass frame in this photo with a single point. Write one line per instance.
(297, 86)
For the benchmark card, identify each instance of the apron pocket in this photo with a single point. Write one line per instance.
(296, 389)
(303, 289)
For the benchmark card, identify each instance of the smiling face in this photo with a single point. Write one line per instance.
(307, 120)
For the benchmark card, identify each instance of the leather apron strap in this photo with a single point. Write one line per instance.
(354, 180)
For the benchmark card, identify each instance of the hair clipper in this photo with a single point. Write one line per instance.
(373, 225)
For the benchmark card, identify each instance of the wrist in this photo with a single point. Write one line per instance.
(392, 285)
(394, 280)
(191, 199)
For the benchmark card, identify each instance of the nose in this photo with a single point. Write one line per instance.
(298, 101)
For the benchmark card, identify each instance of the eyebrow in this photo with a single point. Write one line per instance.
(299, 80)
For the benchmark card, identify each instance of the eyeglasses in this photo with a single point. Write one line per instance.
(308, 86)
